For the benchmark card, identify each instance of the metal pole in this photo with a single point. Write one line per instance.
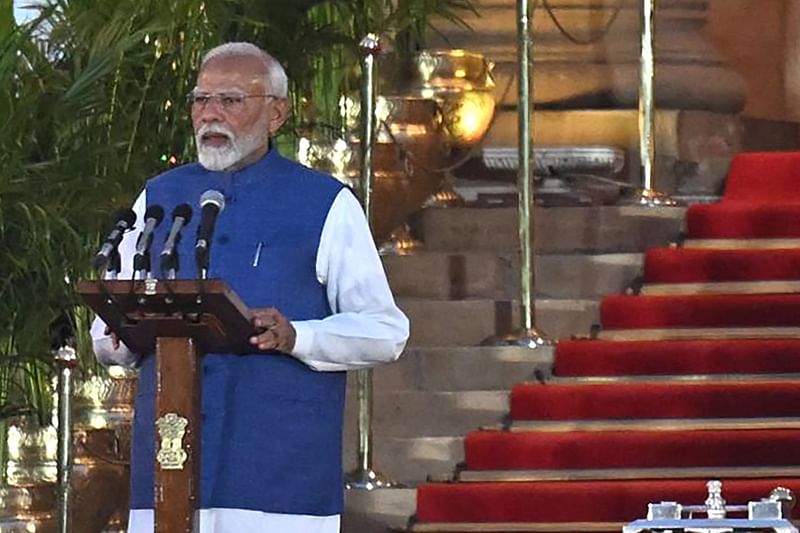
(648, 195)
(66, 360)
(524, 172)
(647, 123)
(370, 47)
(528, 336)
(364, 477)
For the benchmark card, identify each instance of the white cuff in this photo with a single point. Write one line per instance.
(303, 341)
(107, 355)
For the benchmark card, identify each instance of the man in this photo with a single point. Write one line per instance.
(294, 244)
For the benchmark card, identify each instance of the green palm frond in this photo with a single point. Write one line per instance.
(91, 96)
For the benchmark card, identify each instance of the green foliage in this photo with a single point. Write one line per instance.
(86, 114)
(92, 98)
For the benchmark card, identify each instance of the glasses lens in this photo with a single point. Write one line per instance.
(197, 99)
(228, 101)
(231, 102)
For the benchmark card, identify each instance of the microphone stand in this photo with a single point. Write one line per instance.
(170, 263)
(114, 265)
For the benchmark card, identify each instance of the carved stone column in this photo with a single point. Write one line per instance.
(792, 82)
(586, 61)
(600, 71)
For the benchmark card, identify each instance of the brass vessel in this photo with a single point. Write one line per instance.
(432, 113)
(463, 84)
(100, 480)
(410, 149)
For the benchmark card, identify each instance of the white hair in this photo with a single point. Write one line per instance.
(276, 78)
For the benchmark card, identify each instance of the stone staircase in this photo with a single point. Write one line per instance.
(460, 290)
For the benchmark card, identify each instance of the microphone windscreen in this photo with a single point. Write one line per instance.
(156, 212)
(127, 216)
(184, 211)
(212, 196)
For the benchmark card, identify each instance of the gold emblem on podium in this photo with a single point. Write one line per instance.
(150, 287)
(171, 429)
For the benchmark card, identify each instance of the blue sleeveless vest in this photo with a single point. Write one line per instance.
(271, 435)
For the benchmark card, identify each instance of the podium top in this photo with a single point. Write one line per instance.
(140, 311)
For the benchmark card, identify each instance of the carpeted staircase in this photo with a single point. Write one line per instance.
(695, 377)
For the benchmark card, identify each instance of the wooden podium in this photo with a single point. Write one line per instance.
(178, 320)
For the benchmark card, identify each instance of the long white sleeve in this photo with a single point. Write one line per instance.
(366, 327)
(101, 341)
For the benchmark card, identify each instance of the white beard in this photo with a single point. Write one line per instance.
(217, 158)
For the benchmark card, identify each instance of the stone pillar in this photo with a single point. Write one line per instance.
(792, 79)
(602, 71)
(586, 62)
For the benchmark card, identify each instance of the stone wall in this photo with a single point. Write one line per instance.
(758, 39)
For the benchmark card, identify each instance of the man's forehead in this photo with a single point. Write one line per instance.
(236, 64)
(235, 71)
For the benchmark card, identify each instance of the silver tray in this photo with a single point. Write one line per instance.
(548, 160)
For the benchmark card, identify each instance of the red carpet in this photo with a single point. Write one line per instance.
(685, 265)
(762, 199)
(700, 311)
(583, 501)
(535, 450)
(571, 401)
(743, 221)
(764, 178)
(606, 358)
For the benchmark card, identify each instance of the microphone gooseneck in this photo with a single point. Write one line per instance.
(124, 221)
(212, 203)
(181, 216)
(141, 260)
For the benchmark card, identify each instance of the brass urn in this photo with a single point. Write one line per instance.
(409, 151)
(103, 410)
(463, 84)
(432, 113)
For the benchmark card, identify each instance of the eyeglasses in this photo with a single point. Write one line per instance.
(230, 102)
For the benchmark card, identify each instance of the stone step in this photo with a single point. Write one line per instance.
(678, 130)
(442, 275)
(378, 511)
(618, 474)
(462, 368)
(411, 461)
(557, 230)
(469, 322)
(722, 287)
(412, 414)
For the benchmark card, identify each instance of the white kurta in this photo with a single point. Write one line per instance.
(366, 328)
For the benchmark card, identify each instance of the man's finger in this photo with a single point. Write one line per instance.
(266, 340)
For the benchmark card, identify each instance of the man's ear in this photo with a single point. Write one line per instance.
(278, 114)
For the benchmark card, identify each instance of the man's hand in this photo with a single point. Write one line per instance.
(275, 332)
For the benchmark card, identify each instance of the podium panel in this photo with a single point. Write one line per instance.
(178, 320)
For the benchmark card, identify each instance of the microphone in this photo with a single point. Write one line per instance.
(212, 203)
(125, 219)
(181, 216)
(141, 261)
